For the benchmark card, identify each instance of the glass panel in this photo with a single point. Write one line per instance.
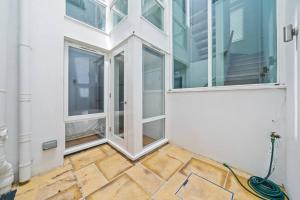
(84, 131)
(153, 131)
(86, 82)
(87, 11)
(244, 42)
(190, 43)
(119, 95)
(153, 12)
(120, 10)
(153, 83)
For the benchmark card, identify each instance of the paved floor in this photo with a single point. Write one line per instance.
(103, 173)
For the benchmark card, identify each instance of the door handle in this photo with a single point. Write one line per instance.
(289, 32)
(123, 102)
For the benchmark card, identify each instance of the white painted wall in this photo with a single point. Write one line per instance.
(293, 98)
(9, 57)
(47, 44)
(230, 126)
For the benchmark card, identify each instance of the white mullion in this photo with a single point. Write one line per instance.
(170, 79)
(279, 23)
(187, 11)
(161, 3)
(112, 4)
(209, 31)
(151, 119)
(66, 81)
(119, 12)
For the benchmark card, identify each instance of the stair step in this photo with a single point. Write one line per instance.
(246, 56)
(241, 82)
(246, 65)
(248, 60)
(242, 76)
(247, 71)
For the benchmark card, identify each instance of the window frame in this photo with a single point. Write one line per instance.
(280, 82)
(159, 117)
(162, 5)
(100, 2)
(112, 10)
(76, 118)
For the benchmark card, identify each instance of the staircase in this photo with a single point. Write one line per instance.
(245, 69)
(199, 34)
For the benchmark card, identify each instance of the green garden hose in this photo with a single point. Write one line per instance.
(262, 187)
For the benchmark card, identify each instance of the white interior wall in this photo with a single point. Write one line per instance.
(47, 44)
(292, 10)
(9, 56)
(230, 126)
(78, 31)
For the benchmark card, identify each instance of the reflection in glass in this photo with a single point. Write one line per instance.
(153, 95)
(119, 11)
(153, 12)
(190, 43)
(244, 42)
(86, 82)
(87, 11)
(84, 131)
(119, 95)
(153, 131)
(153, 84)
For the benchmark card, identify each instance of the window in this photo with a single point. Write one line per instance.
(242, 37)
(119, 100)
(85, 119)
(86, 83)
(244, 42)
(153, 96)
(153, 12)
(119, 11)
(190, 44)
(87, 11)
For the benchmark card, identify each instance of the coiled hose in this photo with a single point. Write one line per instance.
(264, 188)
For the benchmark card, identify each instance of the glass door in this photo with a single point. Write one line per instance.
(118, 100)
(153, 96)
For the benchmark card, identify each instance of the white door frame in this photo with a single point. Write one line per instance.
(112, 137)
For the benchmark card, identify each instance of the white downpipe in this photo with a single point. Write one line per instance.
(24, 94)
(6, 170)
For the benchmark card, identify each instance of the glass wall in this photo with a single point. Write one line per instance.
(88, 11)
(86, 82)
(153, 12)
(243, 40)
(119, 11)
(85, 120)
(84, 131)
(190, 43)
(153, 95)
(153, 131)
(119, 95)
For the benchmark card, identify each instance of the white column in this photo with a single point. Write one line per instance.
(24, 94)
(6, 171)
